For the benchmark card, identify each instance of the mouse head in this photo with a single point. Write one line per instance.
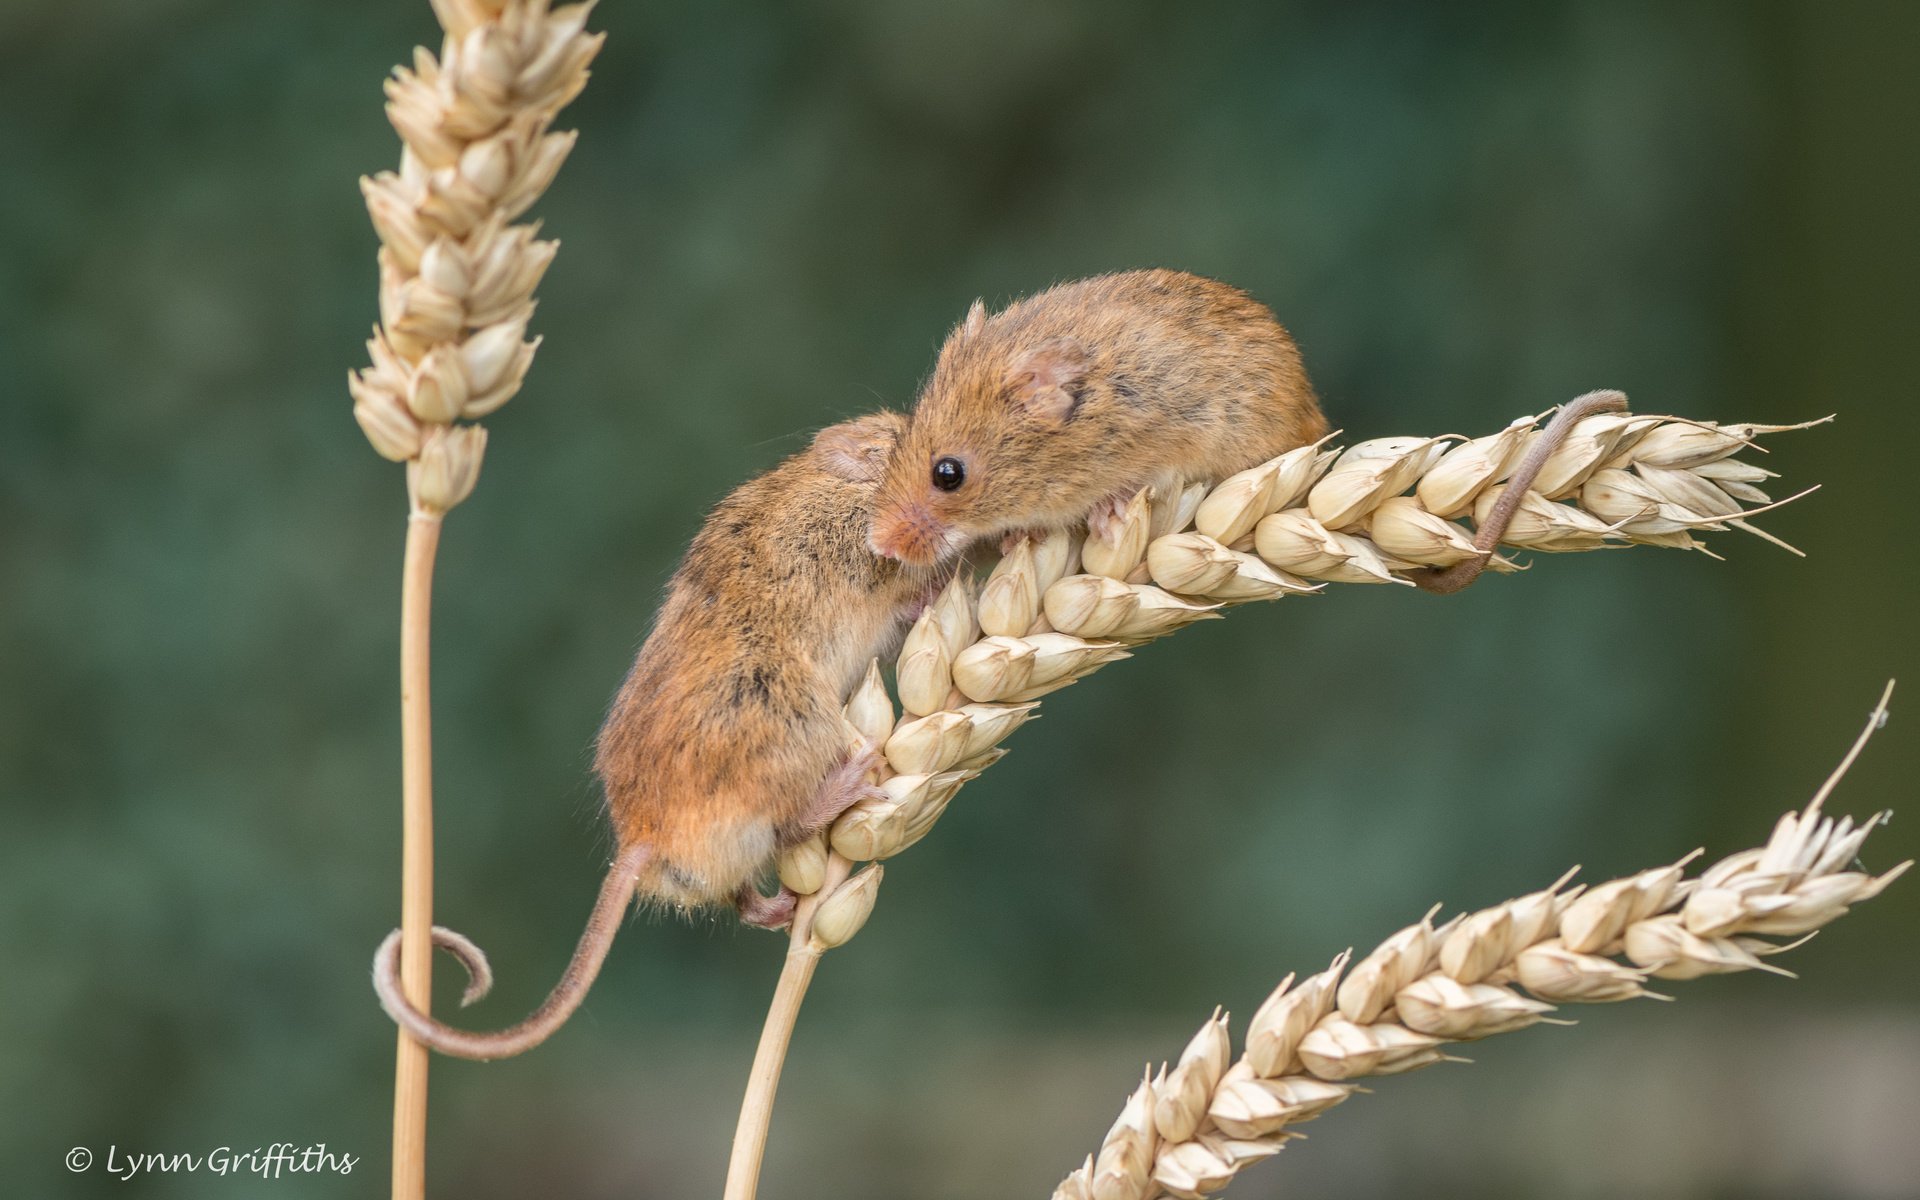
(857, 450)
(974, 462)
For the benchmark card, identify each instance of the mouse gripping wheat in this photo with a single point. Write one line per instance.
(456, 275)
(1188, 1131)
(1055, 609)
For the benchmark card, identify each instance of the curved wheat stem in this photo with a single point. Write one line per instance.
(1189, 1131)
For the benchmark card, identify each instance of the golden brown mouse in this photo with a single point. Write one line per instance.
(1069, 401)
(1063, 405)
(726, 741)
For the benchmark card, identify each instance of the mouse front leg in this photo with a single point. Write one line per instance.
(1487, 538)
(845, 786)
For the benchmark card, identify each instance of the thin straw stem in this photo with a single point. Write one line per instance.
(756, 1107)
(416, 853)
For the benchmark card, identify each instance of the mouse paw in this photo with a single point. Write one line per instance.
(845, 786)
(1103, 521)
(766, 912)
(1010, 541)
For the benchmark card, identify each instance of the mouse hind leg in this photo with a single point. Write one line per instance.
(845, 786)
(765, 912)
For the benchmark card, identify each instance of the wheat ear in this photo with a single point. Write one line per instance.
(1056, 609)
(1189, 1131)
(456, 293)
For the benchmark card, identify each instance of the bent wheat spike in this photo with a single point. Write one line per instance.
(1397, 1008)
(1386, 510)
(1058, 608)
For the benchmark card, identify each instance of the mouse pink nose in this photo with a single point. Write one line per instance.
(909, 534)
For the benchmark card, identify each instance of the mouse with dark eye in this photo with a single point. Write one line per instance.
(1062, 406)
(726, 741)
(1069, 401)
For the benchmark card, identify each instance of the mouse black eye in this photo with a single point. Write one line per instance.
(948, 473)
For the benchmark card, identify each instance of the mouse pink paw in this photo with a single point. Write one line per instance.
(1010, 541)
(1103, 521)
(766, 912)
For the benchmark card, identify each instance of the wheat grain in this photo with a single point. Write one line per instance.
(1426, 986)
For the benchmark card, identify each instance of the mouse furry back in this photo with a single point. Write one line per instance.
(730, 718)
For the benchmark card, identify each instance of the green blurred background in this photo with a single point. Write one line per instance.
(1464, 212)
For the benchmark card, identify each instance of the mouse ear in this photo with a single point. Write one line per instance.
(1046, 381)
(975, 322)
(857, 450)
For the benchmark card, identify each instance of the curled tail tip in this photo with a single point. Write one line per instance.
(472, 958)
(566, 996)
(463, 950)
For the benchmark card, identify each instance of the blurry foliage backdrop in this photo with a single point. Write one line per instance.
(1464, 212)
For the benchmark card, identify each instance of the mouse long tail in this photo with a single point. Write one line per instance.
(553, 1012)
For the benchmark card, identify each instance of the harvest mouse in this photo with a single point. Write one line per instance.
(1064, 404)
(726, 741)
(1072, 399)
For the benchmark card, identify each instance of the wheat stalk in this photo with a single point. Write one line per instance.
(1055, 609)
(1188, 1131)
(456, 293)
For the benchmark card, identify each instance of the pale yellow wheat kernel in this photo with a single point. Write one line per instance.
(1180, 1104)
(845, 912)
(1157, 613)
(1232, 509)
(1367, 474)
(803, 867)
(1090, 606)
(1125, 544)
(1174, 511)
(1404, 529)
(1010, 599)
(1448, 488)
(1123, 1169)
(1589, 445)
(1369, 987)
(869, 710)
(924, 673)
